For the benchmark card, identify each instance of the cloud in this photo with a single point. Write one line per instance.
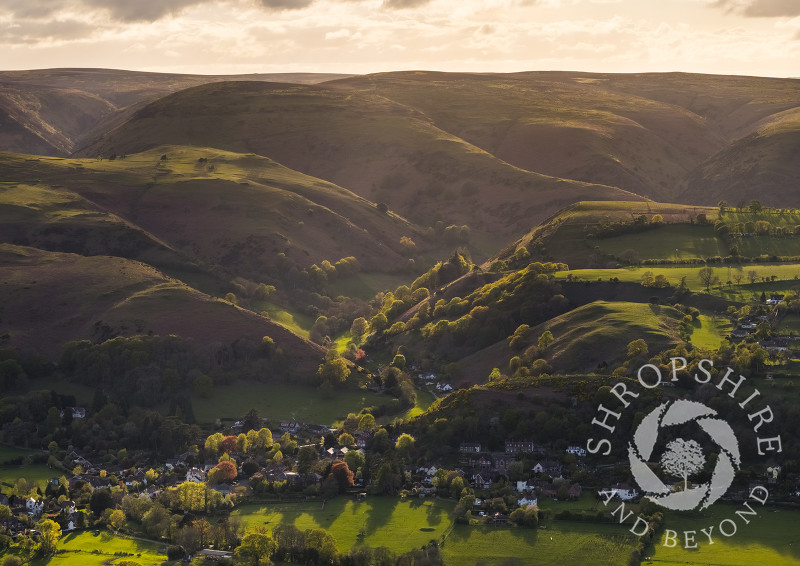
(285, 4)
(761, 8)
(46, 32)
(142, 10)
(402, 4)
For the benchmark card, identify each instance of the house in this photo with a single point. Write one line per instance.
(526, 500)
(739, 333)
(775, 299)
(519, 446)
(577, 450)
(622, 490)
(502, 463)
(547, 467)
(34, 506)
(776, 345)
(444, 387)
(575, 491)
(76, 412)
(68, 506)
(214, 555)
(480, 482)
(195, 475)
(523, 486)
(469, 448)
(289, 426)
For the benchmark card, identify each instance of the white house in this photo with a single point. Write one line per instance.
(526, 500)
(195, 475)
(577, 450)
(34, 506)
(621, 490)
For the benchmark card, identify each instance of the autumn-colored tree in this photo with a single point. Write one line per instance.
(342, 474)
(228, 444)
(222, 472)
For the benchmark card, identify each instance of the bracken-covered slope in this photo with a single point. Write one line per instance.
(49, 298)
(381, 149)
(51, 111)
(238, 212)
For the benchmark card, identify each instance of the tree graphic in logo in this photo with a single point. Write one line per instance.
(683, 457)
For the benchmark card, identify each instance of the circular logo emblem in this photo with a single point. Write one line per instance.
(683, 457)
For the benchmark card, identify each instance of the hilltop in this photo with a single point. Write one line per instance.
(51, 111)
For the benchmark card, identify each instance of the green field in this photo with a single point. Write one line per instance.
(769, 539)
(708, 332)
(785, 274)
(38, 473)
(672, 242)
(558, 543)
(88, 549)
(280, 401)
(377, 521)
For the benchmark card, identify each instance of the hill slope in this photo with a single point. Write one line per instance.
(258, 210)
(380, 149)
(49, 298)
(51, 111)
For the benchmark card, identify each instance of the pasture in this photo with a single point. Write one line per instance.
(377, 521)
(87, 549)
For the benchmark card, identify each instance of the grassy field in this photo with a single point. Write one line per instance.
(708, 332)
(672, 241)
(770, 538)
(557, 544)
(9, 474)
(377, 521)
(88, 549)
(785, 274)
(283, 401)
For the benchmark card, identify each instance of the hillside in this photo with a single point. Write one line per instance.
(382, 150)
(50, 298)
(258, 208)
(51, 111)
(566, 125)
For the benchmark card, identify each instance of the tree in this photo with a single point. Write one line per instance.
(405, 443)
(50, 532)
(231, 298)
(637, 347)
(657, 219)
(755, 206)
(343, 475)
(682, 458)
(222, 472)
(706, 276)
(257, 547)
(545, 340)
(346, 439)
(334, 369)
(116, 519)
(399, 361)
(722, 206)
(359, 329)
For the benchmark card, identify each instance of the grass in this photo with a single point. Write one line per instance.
(559, 543)
(601, 331)
(770, 538)
(708, 332)
(785, 274)
(376, 521)
(283, 401)
(86, 548)
(671, 241)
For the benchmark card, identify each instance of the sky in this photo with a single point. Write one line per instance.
(744, 37)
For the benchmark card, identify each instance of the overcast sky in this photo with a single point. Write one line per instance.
(749, 37)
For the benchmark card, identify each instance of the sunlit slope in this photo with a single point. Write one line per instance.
(383, 150)
(221, 208)
(560, 124)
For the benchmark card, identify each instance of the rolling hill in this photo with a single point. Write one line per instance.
(51, 111)
(49, 298)
(381, 149)
(258, 208)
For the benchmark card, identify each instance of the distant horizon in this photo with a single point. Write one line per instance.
(422, 70)
(212, 37)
